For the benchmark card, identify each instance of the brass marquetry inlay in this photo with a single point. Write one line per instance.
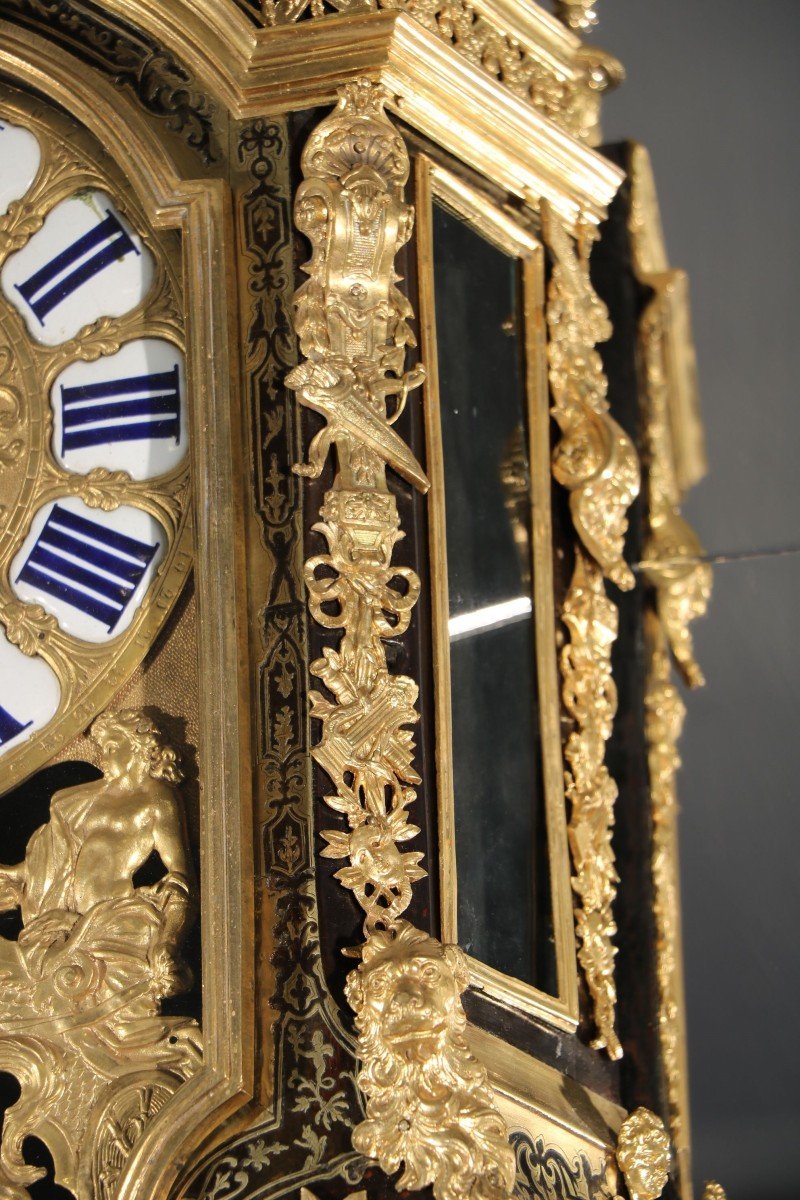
(282, 1089)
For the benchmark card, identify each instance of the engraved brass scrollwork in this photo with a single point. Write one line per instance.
(307, 1194)
(597, 463)
(81, 989)
(353, 326)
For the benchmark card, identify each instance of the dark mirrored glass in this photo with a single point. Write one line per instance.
(504, 906)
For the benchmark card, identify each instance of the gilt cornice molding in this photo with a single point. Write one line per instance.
(524, 47)
(454, 98)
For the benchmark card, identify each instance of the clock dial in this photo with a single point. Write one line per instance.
(94, 485)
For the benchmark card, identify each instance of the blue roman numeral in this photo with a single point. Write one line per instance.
(48, 286)
(121, 410)
(10, 726)
(87, 565)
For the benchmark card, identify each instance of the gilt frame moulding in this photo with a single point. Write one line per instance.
(434, 182)
(198, 210)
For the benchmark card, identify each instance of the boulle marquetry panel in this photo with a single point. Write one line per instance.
(341, 403)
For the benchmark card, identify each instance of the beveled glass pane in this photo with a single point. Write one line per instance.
(504, 905)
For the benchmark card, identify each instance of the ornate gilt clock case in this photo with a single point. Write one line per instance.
(346, 410)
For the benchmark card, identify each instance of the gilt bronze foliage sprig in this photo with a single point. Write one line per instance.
(597, 463)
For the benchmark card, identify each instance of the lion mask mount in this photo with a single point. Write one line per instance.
(429, 1103)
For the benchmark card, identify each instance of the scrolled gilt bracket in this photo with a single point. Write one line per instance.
(428, 1101)
(595, 460)
(597, 463)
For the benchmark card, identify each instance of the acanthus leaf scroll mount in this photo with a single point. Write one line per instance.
(597, 463)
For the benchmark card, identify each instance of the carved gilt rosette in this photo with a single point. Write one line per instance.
(596, 462)
(428, 1102)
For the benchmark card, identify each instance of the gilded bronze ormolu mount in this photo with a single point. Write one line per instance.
(428, 1103)
(81, 988)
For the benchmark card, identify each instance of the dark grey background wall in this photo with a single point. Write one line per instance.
(713, 90)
